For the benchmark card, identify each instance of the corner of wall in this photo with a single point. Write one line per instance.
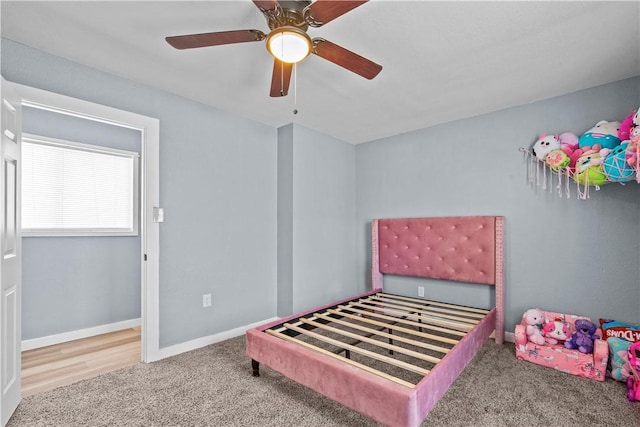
(284, 269)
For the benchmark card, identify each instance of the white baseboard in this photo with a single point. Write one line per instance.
(510, 336)
(76, 335)
(211, 339)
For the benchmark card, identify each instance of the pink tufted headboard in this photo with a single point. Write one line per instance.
(463, 248)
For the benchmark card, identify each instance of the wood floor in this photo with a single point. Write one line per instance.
(49, 367)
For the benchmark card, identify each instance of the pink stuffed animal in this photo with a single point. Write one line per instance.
(633, 382)
(569, 144)
(556, 330)
(632, 156)
(632, 120)
(625, 127)
(534, 318)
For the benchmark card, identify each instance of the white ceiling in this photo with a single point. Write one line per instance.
(442, 61)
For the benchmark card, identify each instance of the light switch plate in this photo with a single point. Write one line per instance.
(158, 214)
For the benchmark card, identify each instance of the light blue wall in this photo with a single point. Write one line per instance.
(317, 240)
(563, 255)
(75, 283)
(218, 187)
(85, 281)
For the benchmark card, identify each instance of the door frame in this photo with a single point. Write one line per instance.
(149, 128)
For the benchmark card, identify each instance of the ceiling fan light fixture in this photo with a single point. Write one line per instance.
(289, 44)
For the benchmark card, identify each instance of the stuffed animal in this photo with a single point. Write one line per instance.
(583, 337)
(557, 159)
(604, 133)
(618, 364)
(556, 330)
(534, 319)
(544, 145)
(633, 382)
(569, 144)
(627, 124)
(574, 155)
(568, 141)
(557, 151)
(589, 170)
(633, 149)
(620, 336)
(615, 166)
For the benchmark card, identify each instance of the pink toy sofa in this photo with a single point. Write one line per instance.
(556, 356)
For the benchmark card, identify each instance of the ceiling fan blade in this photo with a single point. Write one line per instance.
(266, 5)
(281, 78)
(321, 12)
(345, 58)
(191, 41)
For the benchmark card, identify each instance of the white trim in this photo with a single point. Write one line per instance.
(510, 336)
(108, 151)
(149, 128)
(80, 146)
(77, 232)
(150, 248)
(208, 340)
(79, 334)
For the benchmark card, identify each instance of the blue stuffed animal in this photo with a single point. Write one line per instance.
(583, 337)
(603, 133)
(615, 166)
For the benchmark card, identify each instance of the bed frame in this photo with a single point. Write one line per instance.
(332, 349)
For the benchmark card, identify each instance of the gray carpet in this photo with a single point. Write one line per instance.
(213, 386)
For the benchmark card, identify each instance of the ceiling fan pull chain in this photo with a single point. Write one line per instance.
(295, 88)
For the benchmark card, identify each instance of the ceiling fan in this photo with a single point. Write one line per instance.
(288, 40)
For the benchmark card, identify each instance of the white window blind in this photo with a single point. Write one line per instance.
(70, 188)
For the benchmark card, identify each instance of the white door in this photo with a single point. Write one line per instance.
(10, 252)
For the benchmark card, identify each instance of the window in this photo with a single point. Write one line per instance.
(71, 189)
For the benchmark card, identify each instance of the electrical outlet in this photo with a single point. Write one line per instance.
(421, 291)
(206, 300)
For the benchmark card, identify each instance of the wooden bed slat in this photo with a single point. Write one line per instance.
(382, 344)
(325, 316)
(441, 304)
(427, 306)
(421, 315)
(397, 328)
(340, 358)
(425, 318)
(382, 334)
(424, 310)
(404, 321)
(355, 349)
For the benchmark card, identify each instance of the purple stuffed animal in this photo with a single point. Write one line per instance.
(583, 337)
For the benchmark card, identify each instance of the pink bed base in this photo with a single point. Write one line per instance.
(455, 242)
